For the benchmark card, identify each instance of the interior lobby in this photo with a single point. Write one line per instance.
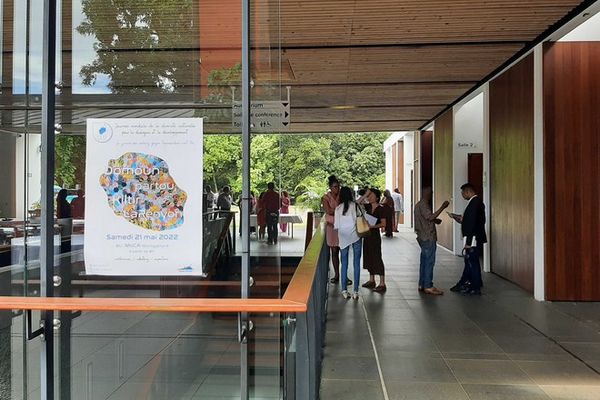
(165, 120)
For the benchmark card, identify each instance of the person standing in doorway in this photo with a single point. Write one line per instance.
(272, 203)
(329, 202)
(398, 207)
(388, 207)
(425, 221)
(345, 225)
(473, 231)
(373, 259)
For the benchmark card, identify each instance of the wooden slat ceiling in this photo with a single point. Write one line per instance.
(361, 65)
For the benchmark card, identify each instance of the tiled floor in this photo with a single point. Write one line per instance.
(502, 345)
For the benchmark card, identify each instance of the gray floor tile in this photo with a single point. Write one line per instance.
(533, 348)
(335, 389)
(425, 391)
(414, 369)
(406, 343)
(572, 392)
(475, 356)
(489, 372)
(505, 392)
(585, 351)
(467, 344)
(350, 368)
(560, 373)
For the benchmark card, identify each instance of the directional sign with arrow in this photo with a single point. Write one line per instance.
(265, 116)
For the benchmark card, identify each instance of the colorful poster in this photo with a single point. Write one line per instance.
(143, 202)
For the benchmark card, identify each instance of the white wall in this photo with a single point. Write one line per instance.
(408, 139)
(409, 157)
(468, 138)
(34, 172)
(589, 31)
(388, 167)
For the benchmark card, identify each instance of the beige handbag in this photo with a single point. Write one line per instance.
(362, 226)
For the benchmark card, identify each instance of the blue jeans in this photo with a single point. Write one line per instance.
(356, 253)
(428, 249)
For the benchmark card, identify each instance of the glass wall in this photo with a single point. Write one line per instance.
(138, 60)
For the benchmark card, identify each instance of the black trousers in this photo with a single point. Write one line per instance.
(272, 221)
(471, 275)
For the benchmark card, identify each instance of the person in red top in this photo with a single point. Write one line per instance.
(78, 205)
(272, 204)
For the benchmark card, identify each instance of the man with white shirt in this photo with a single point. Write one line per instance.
(398, 207)
(473, 231)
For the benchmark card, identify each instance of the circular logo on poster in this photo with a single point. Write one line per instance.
(102, 132)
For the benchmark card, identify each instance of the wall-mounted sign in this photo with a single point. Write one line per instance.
(265, 116)
(143, 203)
(466, 145)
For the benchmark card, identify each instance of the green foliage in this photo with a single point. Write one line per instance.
(222, 160)
(311, 189)
(70, 160)
(299, 164)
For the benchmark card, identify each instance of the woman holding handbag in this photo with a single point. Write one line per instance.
(345, 224)
(372, 260)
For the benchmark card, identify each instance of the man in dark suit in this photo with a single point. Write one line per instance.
(473, 231)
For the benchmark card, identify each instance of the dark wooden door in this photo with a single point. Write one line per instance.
(426, 159)
(475, 166)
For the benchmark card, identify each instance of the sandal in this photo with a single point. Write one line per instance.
(380, 289)
(369, 284)
(334, 280)
(348, 282)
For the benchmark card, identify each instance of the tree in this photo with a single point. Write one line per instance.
(222, 154)
(128, 33)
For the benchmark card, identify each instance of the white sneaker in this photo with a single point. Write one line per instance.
(345, 294)
(355, 296)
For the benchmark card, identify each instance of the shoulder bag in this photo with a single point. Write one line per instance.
(362, 226)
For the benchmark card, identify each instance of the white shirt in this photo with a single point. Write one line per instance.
(346, 225)
(398, 202)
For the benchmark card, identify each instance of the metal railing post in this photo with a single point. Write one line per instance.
(245, 209)
(47, 197)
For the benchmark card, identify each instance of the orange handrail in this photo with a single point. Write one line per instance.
(295, 298)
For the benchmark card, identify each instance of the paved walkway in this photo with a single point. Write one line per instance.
(502, 345)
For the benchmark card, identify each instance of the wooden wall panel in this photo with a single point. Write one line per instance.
(511, 175)
(572, 170)
(442, 174)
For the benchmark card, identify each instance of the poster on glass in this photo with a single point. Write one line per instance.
(144, 196)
